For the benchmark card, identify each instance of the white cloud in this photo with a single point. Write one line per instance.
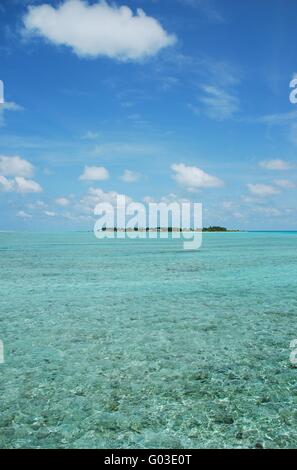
(171, 197)
(276, 164)
(193, 178)
(37, 205)
(24, 215)
(130, 176)
(99, 29)
(262, 190)
(8, 106)
(62, 201)
(19, 185)
(148, 199)
(50, 213)
(94, 173)
(221, 73)
(24, 185)
(6, 184)
(218, 104)
(278, 119)
(286, 184)
(15, 166)
(11, 106)
(96, 195)
(287, 120)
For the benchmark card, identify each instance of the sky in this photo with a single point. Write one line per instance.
(159, 100)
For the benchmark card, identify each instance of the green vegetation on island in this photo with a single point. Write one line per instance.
(215, 228)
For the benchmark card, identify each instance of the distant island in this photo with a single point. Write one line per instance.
(218, 229)
(214, 228)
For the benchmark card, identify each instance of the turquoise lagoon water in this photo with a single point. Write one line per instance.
(132, 344)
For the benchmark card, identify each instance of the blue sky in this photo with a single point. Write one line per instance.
(190, 101)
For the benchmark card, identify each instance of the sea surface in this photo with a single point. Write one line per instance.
(140, 344)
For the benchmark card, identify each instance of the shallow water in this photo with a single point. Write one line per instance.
(121, 343)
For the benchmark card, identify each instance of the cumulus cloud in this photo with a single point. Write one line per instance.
(24, 185)
(276, 164)
(130, 176)
(193, 178)
(19, 184)
(24, 215)
(98, 29)
(262, 190)
(94, 173)
(37, 205)
(15, 166)
(6, 185)
(149, 200)
(95, 196)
